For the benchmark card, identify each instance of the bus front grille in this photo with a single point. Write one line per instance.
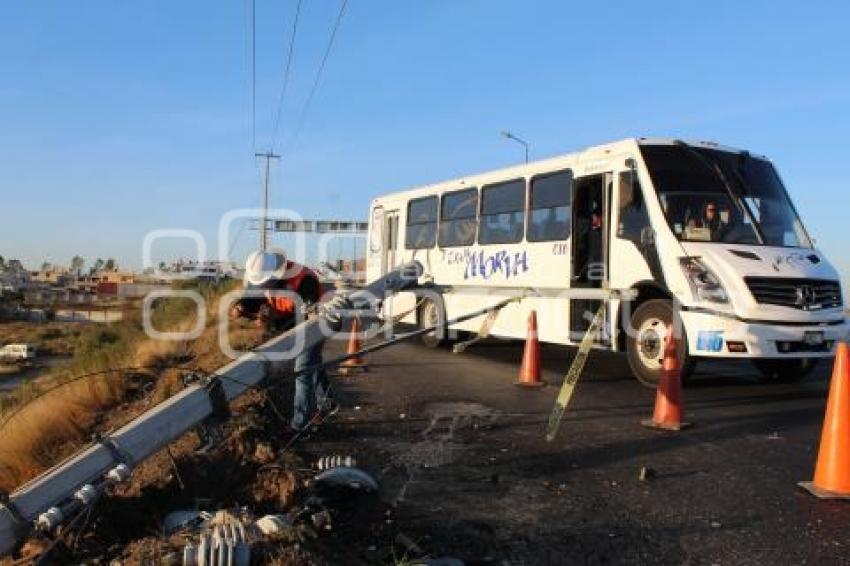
(804, 294)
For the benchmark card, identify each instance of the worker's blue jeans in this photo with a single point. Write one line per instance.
(312, 389)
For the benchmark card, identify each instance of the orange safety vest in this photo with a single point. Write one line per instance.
(285, 305)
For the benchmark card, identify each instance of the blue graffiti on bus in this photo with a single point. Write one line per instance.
(509, 264)
(454, 257)
(487, 264)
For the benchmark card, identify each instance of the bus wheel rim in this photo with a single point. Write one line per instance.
(650, 342)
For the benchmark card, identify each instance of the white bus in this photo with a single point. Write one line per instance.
(705, 235)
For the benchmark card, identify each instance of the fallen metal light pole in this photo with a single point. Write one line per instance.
(46, 501)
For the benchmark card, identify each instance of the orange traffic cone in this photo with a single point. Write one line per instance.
(668, 396)
(355, 343)
(832, 471)
(529, 373)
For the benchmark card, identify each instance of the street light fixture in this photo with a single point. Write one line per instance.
(524, 143)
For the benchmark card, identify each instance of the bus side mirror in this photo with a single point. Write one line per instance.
(647, 236)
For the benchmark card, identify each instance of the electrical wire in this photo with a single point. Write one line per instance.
(286, 71)
(254, 75)
(236, 237)
(11, 415)
(306, 109)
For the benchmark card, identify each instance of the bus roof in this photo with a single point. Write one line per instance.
(571, 160)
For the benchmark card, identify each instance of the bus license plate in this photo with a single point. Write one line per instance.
(813, 338)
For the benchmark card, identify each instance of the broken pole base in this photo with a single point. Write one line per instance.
(649, 423)
(822, 493)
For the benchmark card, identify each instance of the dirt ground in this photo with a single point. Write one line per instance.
(465, 470)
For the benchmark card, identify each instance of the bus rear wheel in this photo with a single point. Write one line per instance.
(785, 371)
(430, 314)
(645, 343)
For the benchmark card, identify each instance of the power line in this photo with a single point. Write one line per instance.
(315, 86)
(289, 55)
(254, 74)
(235, 239)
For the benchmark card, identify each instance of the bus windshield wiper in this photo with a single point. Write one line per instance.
(733, 197)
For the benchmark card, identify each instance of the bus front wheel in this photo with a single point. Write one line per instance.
(645, 342)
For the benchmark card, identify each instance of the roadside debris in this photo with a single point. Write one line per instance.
(342, 485)
(328, 462)
(646, 474)
(235, 536)
(181, 519)
(226, 539)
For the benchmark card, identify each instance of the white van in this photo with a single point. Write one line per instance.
(17, 352)
(704, 235)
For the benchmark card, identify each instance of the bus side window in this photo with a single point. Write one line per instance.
(549, 207)
(502, 213)
(632, 214)
(421, 230)
(458, 218)
(392, 235)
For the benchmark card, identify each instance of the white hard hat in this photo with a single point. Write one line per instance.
(262, 267)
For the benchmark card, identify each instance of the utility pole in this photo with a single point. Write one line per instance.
(264, 241)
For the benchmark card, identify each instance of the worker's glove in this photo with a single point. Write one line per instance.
(335, 310)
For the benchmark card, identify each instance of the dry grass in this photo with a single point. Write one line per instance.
(48, 425)
(51, 425)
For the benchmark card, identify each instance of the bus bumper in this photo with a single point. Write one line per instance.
(710, 335)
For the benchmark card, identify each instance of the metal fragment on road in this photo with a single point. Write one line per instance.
(346, 477)
(646, 473)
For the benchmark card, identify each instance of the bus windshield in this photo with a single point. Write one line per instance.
(717, 196)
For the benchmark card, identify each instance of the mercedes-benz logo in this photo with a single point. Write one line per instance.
(805, 296)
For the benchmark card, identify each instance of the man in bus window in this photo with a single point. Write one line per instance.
(710, 219)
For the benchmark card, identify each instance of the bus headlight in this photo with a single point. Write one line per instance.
(705, 285)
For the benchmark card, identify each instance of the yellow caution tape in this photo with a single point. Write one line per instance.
(486, 326)
(572, 376)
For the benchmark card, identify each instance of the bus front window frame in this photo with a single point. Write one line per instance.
(688, 187)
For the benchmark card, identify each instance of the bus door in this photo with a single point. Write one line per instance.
(390, 259)
(589, 264)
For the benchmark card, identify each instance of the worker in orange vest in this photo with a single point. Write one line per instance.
(269, 271)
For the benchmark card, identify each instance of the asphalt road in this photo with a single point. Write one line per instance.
(462, 456)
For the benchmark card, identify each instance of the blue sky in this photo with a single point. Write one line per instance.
(117, 118)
